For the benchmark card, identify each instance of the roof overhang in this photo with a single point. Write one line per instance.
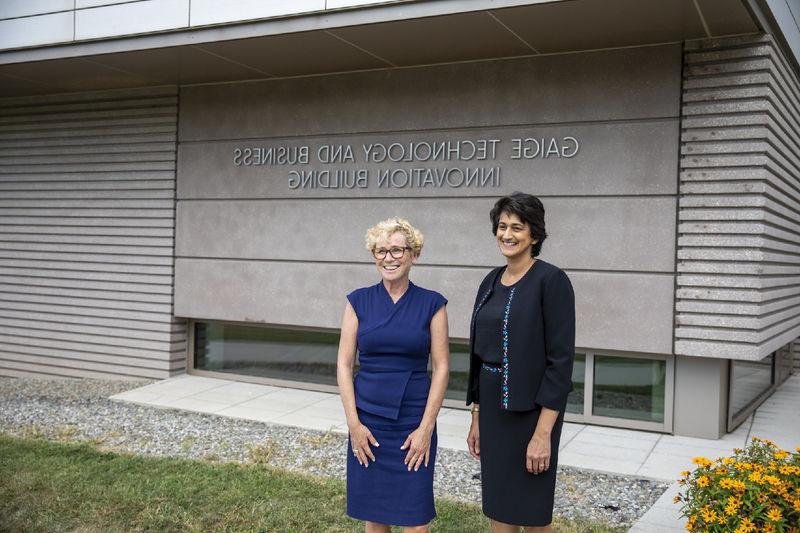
(392, 35)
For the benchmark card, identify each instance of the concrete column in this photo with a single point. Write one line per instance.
(701, 397)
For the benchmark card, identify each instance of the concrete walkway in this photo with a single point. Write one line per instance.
(621, 451)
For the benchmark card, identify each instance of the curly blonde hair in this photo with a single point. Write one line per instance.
(390, 226)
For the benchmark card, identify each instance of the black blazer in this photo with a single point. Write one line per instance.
(538, 346)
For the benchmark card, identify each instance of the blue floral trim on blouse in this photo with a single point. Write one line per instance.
(480, 304)
(505, 348)
(490, 368)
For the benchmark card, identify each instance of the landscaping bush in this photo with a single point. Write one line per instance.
(756, 489)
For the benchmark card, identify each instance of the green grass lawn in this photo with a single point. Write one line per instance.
(47, 486)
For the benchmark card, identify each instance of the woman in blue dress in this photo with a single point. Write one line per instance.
(392, 404)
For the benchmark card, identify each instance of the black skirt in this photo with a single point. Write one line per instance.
(510, 493)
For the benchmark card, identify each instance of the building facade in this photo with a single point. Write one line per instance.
(186, 184)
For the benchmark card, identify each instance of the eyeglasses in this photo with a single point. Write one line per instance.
(396, 252)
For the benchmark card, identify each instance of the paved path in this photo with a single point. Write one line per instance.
(778, 419)
(614, 450)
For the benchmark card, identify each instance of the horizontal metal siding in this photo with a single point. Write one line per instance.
(87, 230)
(738, 288)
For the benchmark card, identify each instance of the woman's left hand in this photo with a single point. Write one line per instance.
(418, 444)
(537, 457)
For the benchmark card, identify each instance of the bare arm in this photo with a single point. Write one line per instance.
(474, 435)
(360, 435)
(418, 442)
(537, 458)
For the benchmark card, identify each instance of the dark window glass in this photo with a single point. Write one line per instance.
(629, 388)
(459, 372)
(575, 398)
(749, 380)
(296, 355)
(266, 352)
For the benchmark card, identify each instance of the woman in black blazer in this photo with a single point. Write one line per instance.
(522, 344)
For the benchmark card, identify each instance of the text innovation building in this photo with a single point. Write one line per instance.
(185, 184)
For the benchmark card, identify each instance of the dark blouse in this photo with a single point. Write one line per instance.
(489, 324)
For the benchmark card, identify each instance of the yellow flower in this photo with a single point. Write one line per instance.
(780, 455)
(772, 480)
(775, 515)
(796, 505)
(710, 516)
(702, 462)
(685, 473)
(726, 483)
(746, 526)
(768, 528)
(738, 485)
(755, 477)
(728, 461)
(703, 481)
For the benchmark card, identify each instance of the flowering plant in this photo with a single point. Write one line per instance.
(757, 489)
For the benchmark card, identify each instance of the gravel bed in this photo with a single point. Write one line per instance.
(79, 410)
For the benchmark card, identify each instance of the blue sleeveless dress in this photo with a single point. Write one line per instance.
(391, 389)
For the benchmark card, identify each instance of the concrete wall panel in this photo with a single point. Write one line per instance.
(37, 30)
(252, 249)
(613, 85)
(313, 294)
(338, 4)
(26, 8)
(457, 231)
(215, 12)
(83, 4)
(131, 18)
(607, 159)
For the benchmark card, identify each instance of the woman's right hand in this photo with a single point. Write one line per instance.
(360, 439)
(474, 439)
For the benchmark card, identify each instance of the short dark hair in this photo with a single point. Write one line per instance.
(529, 209)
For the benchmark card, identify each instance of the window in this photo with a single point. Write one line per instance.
(289, 354)
(575, 399)
(625, 387)
(749, 383)
(266, 352)
(633, 390)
